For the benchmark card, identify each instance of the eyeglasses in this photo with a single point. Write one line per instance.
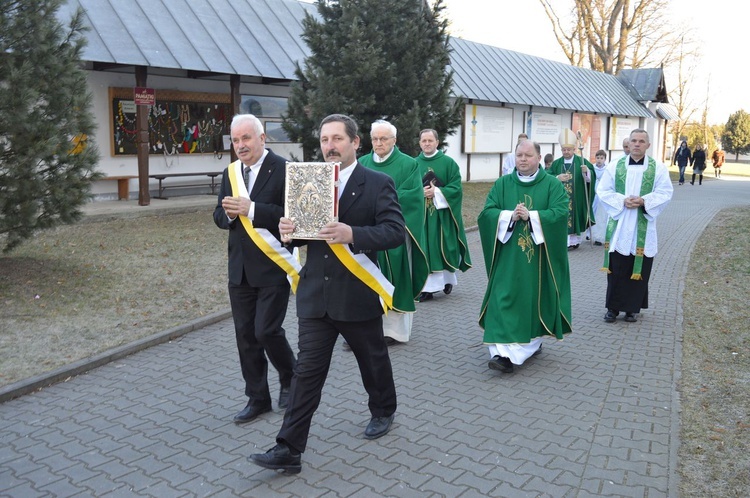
(380, 139)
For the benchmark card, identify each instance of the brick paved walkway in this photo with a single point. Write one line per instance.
(594, 415)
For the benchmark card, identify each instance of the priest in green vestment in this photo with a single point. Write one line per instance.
(447, 249)
(575, 173)
(405, 266)
(523, 229)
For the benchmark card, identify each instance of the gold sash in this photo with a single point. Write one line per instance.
(262, 238)
(367, 272)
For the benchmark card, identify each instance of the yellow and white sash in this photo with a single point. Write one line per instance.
(267, 243)
(367, 272)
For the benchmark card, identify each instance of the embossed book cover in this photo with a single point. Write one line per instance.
(311, 198)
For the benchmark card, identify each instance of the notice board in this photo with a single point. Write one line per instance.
(488, 130)
(178, 123)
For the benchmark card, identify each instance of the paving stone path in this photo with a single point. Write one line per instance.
(594, 415)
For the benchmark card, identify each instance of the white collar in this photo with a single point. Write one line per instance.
(377, 158)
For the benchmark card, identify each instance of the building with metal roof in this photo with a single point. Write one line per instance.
(206, 59)
(492, 74)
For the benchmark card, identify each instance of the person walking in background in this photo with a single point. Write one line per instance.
(406, 265)
(579, 182)
(682, 158)
(698, 163)
(634, 191)
(342, 292)
(598, 231)
(446, 246)
(249, 206)
(523, 230)
(717, 158)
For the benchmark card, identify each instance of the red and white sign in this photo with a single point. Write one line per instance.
(144, 96)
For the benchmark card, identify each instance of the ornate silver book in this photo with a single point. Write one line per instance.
(311, 198)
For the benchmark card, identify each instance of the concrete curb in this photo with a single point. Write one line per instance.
(63, 374)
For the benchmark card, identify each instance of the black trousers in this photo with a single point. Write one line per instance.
(624, 293)
(258, 313)
(317, 338)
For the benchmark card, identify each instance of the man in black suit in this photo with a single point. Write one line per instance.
(258, 287)
(333, 300)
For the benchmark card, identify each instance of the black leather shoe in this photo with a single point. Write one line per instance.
(424, 296)
(284, 397)
(538, 351)
(630, 317)
(448, 289)
(250, 413)
(500, 363)
(610, 316)
(279, 457)
(378, 426)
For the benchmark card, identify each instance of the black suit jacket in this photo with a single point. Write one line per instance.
(244, 255)
(369, 204)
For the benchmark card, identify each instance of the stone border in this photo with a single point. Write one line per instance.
(64, 373)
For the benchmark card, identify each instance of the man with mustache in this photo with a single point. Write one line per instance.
(249, 206)
(334, 298)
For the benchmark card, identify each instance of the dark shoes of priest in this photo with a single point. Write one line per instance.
(428, 296)
(501, 364)
(611, 316)
(378, 427)
(424, 296)
(281, 458)
(250, 413)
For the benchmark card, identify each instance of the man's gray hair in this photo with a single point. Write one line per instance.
(641, 130)
(248, 118)
(383, 122)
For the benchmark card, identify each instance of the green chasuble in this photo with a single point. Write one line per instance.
(394, 263)
(577, 190)
(447, 248)
(528, 290)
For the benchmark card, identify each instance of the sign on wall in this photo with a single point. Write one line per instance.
(487, 130)
(543, 128)
(619, 130)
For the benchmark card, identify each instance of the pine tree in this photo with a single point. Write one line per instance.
(736, 136)
(375, 59)
(47, 159)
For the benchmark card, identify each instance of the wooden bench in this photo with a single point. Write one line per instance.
(163, 176)
(123, 186)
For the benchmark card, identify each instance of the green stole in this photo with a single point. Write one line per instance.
(647, 186)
